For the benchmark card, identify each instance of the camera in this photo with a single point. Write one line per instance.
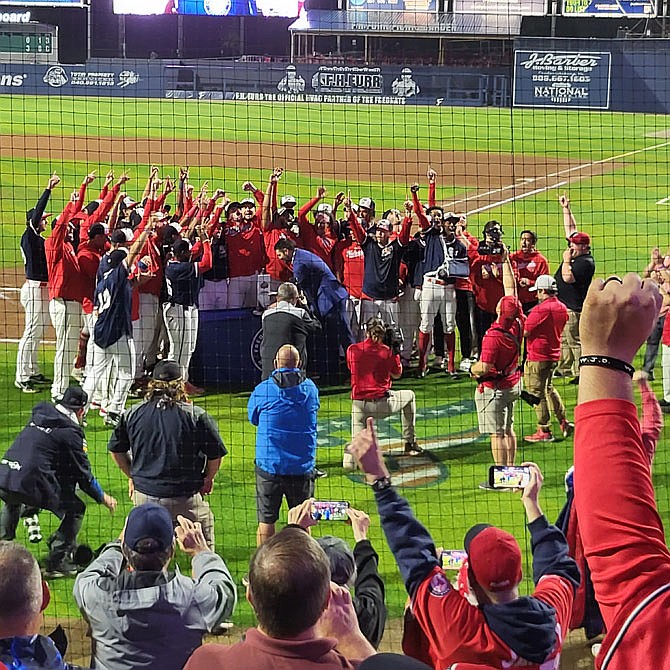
(492, 246)
(393, 338)
(530, 398)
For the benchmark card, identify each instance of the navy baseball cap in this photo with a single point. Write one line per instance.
(74, 398)
(166, 371)
(149, 522)
(96, 229)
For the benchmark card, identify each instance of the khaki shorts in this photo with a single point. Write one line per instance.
(495, 409)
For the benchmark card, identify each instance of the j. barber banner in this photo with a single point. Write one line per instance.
(565, 79)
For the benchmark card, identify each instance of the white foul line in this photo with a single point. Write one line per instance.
(530, 180)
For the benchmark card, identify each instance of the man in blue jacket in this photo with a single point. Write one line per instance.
(284, 407)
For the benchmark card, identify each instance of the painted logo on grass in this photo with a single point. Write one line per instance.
(452, 429)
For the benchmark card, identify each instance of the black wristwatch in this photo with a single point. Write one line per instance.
(381, 484)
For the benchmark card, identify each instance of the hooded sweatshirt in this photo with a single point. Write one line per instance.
(284, 407)
(48, 459)
(147, 619)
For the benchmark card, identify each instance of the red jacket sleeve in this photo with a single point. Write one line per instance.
(405, 229)
(205, 264)
(418, 210)
(356, 228)
(431, 194)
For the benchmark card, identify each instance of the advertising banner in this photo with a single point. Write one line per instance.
(516, 7)
(564, 79)
(288, 8)
(639, 8)
(410, 6)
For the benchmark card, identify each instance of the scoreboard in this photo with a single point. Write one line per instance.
(12, 42)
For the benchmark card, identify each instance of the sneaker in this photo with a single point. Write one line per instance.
(663, 402)
(112, 419)
(665, 409)
(26, 387)
(423, 373)
(222, 628)
(574, 381)
(412, 449)
(567, 428)
(438, 362)
(348, 462)
(102, 412)
(559, 373)
(191, 389)
(138, 389)
(78, 375)
(40, 379)
(63, 569)
(55, 399)
(320, 474)
(32, 525)
(539, 436)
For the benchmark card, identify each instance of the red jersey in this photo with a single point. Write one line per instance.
(349, 266)
(371, 365)
(528, 266)
(623, 536)
(544, 326)
(457, 632)
(88, 258)
(62, 263)
(277, 269)
(488, 289)
(501, 349)
(246, 255)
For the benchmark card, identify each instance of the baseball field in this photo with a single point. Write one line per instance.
(502, 164)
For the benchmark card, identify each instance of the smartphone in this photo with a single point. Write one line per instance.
(330, 510)
(452, 559)
(509, 476)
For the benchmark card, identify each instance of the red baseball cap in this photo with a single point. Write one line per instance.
(494, 557)
(510, 309)
(579, 238)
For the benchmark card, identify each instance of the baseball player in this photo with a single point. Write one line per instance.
(34, 294)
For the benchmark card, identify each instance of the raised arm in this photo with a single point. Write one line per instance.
(569, 222)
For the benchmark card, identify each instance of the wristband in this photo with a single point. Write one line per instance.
(607, 362)
(381, 484)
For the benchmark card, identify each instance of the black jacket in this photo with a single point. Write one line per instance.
(369, 591)
(47, 460)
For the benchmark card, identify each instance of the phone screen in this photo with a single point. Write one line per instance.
(330, 510)
(452, 559)
(509, 476)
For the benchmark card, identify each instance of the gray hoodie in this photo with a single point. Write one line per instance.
(151, 619)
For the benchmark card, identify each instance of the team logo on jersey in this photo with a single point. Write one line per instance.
(439, 585)
(255, 349)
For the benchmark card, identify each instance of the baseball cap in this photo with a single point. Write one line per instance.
(545, 282)
(383, 224)
(368, 203)
(149, 522)
(122, 235)
(285, 210)
(494, 557)
(248, 201)
(128, 202)
(96, 229)
(325, 208)
(166, 371)
(181, 246)
(31, 211)
(342, 563)
(579, 238)
(452, 215)
(91, 207)
(232, 206)
(288, 201)
(74, 398)
(388, 661)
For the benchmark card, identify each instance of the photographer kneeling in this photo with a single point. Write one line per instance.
(497, 372)
(373, 365)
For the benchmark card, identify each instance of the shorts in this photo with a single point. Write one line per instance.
(495, 409)
(270, 489)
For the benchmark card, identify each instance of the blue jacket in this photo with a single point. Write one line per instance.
(316, 279)
(284, 407)
(32, 652)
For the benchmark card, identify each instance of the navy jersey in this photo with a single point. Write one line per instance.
(382, 269)
(437, 249)
(182, 282)
(34, 255)
(219, 260)
(113, 301)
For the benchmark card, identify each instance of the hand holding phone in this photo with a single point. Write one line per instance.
(509, 476)
(330, 510)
